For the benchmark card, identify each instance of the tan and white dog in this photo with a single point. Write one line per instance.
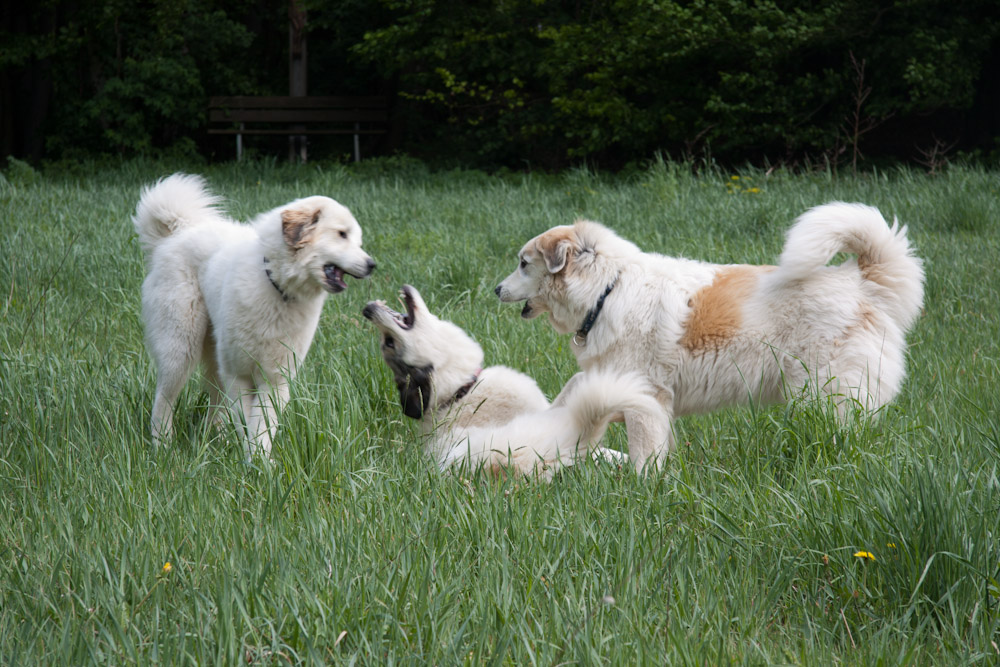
(494, 418)
(710, 335)
(242, 299)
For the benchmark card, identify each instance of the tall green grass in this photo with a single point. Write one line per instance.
(353, 548)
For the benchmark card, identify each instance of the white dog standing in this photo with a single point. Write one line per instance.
(243, 299)
(709, 335)
(495, 418)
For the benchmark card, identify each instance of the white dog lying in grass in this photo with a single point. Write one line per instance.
(242, 299)
(495, 418)
(710, 335)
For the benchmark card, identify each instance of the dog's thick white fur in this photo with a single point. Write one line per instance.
(709, 335)
(244, 299)
(495, 418)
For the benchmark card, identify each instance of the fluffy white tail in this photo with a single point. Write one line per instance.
(884, 253)
(170, 204)
(539, 443)
(600, 396)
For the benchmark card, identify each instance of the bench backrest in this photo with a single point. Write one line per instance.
(309, 109)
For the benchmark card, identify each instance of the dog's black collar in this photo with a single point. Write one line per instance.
(580, 338)
(267, 272)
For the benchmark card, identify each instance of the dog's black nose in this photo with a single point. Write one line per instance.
(368, 311)
(371, 265)
(497, 290)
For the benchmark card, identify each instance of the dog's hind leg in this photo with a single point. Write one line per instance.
(213, 383)
(162, 420)
(175, 361)
(176, 324)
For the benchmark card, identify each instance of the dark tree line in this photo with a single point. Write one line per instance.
(514, 82)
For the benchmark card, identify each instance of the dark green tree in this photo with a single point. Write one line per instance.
(552, 81)
(112, 76)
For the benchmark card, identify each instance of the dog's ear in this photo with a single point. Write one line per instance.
(297, 226)
(556, 249)
(414, 392)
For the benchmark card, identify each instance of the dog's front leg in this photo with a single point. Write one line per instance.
(269, 397)
(650, 437)
(245, 409)
(260, 426)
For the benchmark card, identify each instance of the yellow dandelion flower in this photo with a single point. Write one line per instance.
(735, 178)
(891, 545)
(167, 567)
(754, 190)
(865, 554)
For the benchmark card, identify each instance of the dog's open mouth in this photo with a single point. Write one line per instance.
(405, 320)
(334, 278)
(402, 320)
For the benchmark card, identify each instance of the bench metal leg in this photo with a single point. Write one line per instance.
(357, 142)
(298, 148)
(239, 145)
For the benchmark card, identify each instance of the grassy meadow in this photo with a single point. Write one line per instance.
(353, 548)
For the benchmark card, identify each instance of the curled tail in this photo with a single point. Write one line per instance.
(170, 204)
(540, 443)
(600, 396)
(885, 256)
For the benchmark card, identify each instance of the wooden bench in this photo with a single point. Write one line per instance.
(297, 116)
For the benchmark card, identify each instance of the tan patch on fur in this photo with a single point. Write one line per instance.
(867, 320)
(716, 310)
(874, 271)
(549, 246)
(295, 226)
(496, 468)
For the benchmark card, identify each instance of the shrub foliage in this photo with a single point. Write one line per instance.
(522, 80)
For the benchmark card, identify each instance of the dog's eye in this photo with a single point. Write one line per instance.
(390, 343)
(524, 263)
(343, 234)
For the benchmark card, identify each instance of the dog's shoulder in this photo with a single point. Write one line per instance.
(499, 381)
(501, 394)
